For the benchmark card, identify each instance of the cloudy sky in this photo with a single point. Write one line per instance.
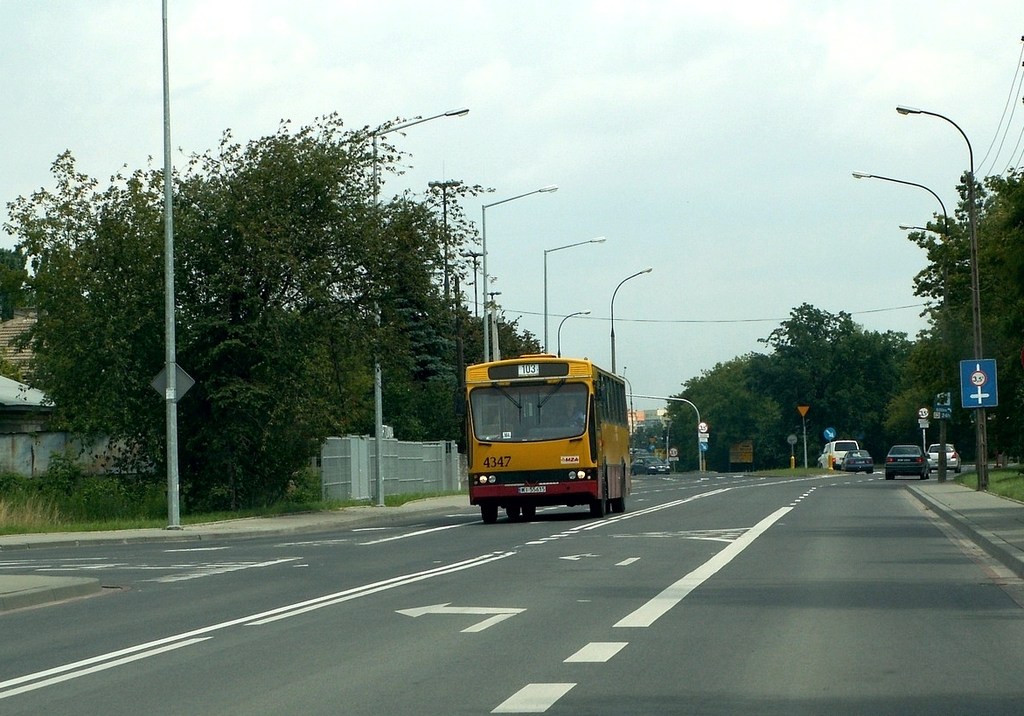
(713, 141)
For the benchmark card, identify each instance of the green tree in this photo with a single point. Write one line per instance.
(96, 276)
(292, 282)
(735, 410)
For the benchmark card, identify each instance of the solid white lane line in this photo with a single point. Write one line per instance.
(628, 561)
(597, 652)
(99, 667)
(158, 645)
(533, 699)
(676, 592)
(414, 534)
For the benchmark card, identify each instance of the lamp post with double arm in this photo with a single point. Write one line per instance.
(980, 425)
(378, 410)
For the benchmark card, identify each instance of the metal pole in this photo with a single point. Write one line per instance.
(483, 251)
(612, 309)
(483, 248)
(700, 455)
(170, 358)
(981, 426)
(596, 240)
(378, 410)
(558, 333)
(546, 306)
(803, 418)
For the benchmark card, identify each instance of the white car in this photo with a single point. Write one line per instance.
(833, 452)
(952, 457)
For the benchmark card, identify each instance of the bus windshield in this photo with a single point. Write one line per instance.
(528, 412)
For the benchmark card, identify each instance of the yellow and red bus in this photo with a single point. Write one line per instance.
(545, 430)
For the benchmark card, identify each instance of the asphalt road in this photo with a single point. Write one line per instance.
(836, 595)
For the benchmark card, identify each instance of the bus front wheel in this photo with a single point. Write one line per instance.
(597, 507)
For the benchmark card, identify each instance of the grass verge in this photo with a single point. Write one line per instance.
(1005, 482)
(37, 514)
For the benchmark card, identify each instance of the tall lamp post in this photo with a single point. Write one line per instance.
(638, 273)
(378, 409)
(483, 249)
(558, 333)
(170, 350)
(598, 240)
(980, 426)
(946, 237)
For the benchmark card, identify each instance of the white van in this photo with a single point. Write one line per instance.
(832, 453)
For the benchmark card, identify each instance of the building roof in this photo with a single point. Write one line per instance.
(10, 331)
(18, 395)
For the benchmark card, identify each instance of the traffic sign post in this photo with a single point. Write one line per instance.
(922, 421)
(802, 409)
(792, 440)
(943, 412)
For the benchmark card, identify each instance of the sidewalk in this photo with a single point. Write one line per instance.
(19, 591)
(995, 524)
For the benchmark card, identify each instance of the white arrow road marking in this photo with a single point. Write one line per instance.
(497, 614)
(76, 669)
(577, 557)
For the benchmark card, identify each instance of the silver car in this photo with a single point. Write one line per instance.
(952, 457)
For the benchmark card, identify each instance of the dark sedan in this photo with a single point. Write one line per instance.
(906, 460)
(857, 461)
(650, 466)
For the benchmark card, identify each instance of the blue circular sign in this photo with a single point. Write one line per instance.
(830, 433)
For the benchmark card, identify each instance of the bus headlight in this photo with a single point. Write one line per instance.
(581, 475)
(492, 479)
(482, 479)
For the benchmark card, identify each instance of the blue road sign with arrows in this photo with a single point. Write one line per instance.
(978, 385)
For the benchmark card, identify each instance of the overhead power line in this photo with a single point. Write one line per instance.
(704, 321)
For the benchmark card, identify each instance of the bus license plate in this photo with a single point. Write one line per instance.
(531, 489)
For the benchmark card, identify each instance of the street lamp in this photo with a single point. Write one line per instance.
(598, 240)
(483, 249)
(558, 333)
(945, 234)
(980, 426)
(378, 409)
(945, 217)
(638, 273)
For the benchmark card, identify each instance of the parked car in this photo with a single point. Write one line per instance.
(952, 457)
(832, 454)
(906, 460)
(649, 465)
(858, 460)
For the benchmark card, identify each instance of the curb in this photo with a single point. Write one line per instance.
(993, 545)
(47, 591)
